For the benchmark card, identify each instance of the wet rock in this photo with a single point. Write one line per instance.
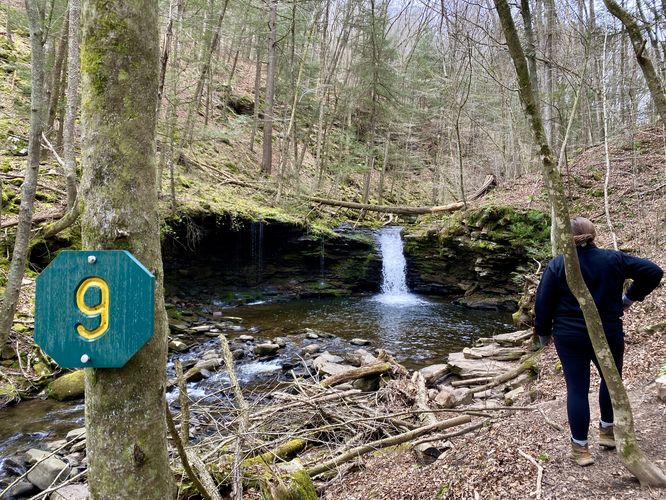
(69, 386)
(22, 489)
(71, 492)
(178, 326)
(281, 341)
(217, 314)
(13, 467)
(267, 349)
(246, 338)
(359, 341)
(177, 345)
(209, 355)
(311, 335)
(661, 387)
(238, 353)
(47, 471)
(311, 349)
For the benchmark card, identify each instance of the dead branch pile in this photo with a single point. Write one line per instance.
(320, 428)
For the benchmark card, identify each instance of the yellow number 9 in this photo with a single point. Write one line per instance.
(101, 309)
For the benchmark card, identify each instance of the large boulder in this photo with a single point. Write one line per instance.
(69, 386)
(46, 472)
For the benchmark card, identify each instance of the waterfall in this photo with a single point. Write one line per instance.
(394, 266)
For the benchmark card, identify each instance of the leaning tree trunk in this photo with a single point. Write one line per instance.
(21, 244)
(651, 78)
(125, 411)
(632, 457)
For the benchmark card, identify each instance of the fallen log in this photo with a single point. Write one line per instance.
(383, 443)
(427, 452)
(488, 183)
(471, 381)
(356, 373)
(525, 365)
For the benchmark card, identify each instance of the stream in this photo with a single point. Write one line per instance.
(416, 330)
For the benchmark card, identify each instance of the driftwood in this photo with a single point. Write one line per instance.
(356, 373)
(488, 183)
(383, 443)
(525, 365)
(427, 452)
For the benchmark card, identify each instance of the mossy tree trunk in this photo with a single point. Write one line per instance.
(633, 458)
(29, 187)
(125, 411)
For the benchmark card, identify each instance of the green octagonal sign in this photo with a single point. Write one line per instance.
(94, 308)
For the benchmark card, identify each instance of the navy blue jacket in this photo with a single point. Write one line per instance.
(556, 309)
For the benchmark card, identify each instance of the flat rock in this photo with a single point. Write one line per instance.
(661, 387)
(326, 357)
(434, 372)
(327, 368)
(494, 351)
(311, 336)
(359, 341)
(71, 492)
(246, 338)
(178, 326)
(474, 368)
(54, 445)
(33, 455)
(201, 328)
(76, 433)
(46, 472)
(267, 349)
(506, 339)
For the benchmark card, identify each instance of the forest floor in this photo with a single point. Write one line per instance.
(489, 463)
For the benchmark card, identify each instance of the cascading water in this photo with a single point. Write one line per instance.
(394, 283)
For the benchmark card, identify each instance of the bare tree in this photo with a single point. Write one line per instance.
(633, 458)
(29, 187)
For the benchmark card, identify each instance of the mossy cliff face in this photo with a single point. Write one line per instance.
(235, 259)
(477, 255)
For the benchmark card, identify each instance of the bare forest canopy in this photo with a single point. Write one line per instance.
(387, 102)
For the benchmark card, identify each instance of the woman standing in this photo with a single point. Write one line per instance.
(557, 313)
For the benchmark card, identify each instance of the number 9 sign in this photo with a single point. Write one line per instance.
(94, 308)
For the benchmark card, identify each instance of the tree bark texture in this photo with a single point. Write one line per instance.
(638, 43)
(72, 93)
(631, 455)
(267, 155)
(29, 187)
(125, 411)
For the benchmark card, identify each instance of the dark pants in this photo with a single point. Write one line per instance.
(576, 353)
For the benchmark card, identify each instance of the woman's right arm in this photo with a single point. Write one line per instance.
(545, 303)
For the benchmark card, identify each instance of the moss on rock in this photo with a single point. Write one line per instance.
(69, 386)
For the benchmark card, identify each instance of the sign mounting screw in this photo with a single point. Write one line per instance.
(92, 259)
(85, 358)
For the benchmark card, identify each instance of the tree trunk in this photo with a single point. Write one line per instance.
(267, 155)
(73, 74)
(651, 78)
(257, 84)
(125, 411)
(631, 455)
(21, 244)
(56, 78)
